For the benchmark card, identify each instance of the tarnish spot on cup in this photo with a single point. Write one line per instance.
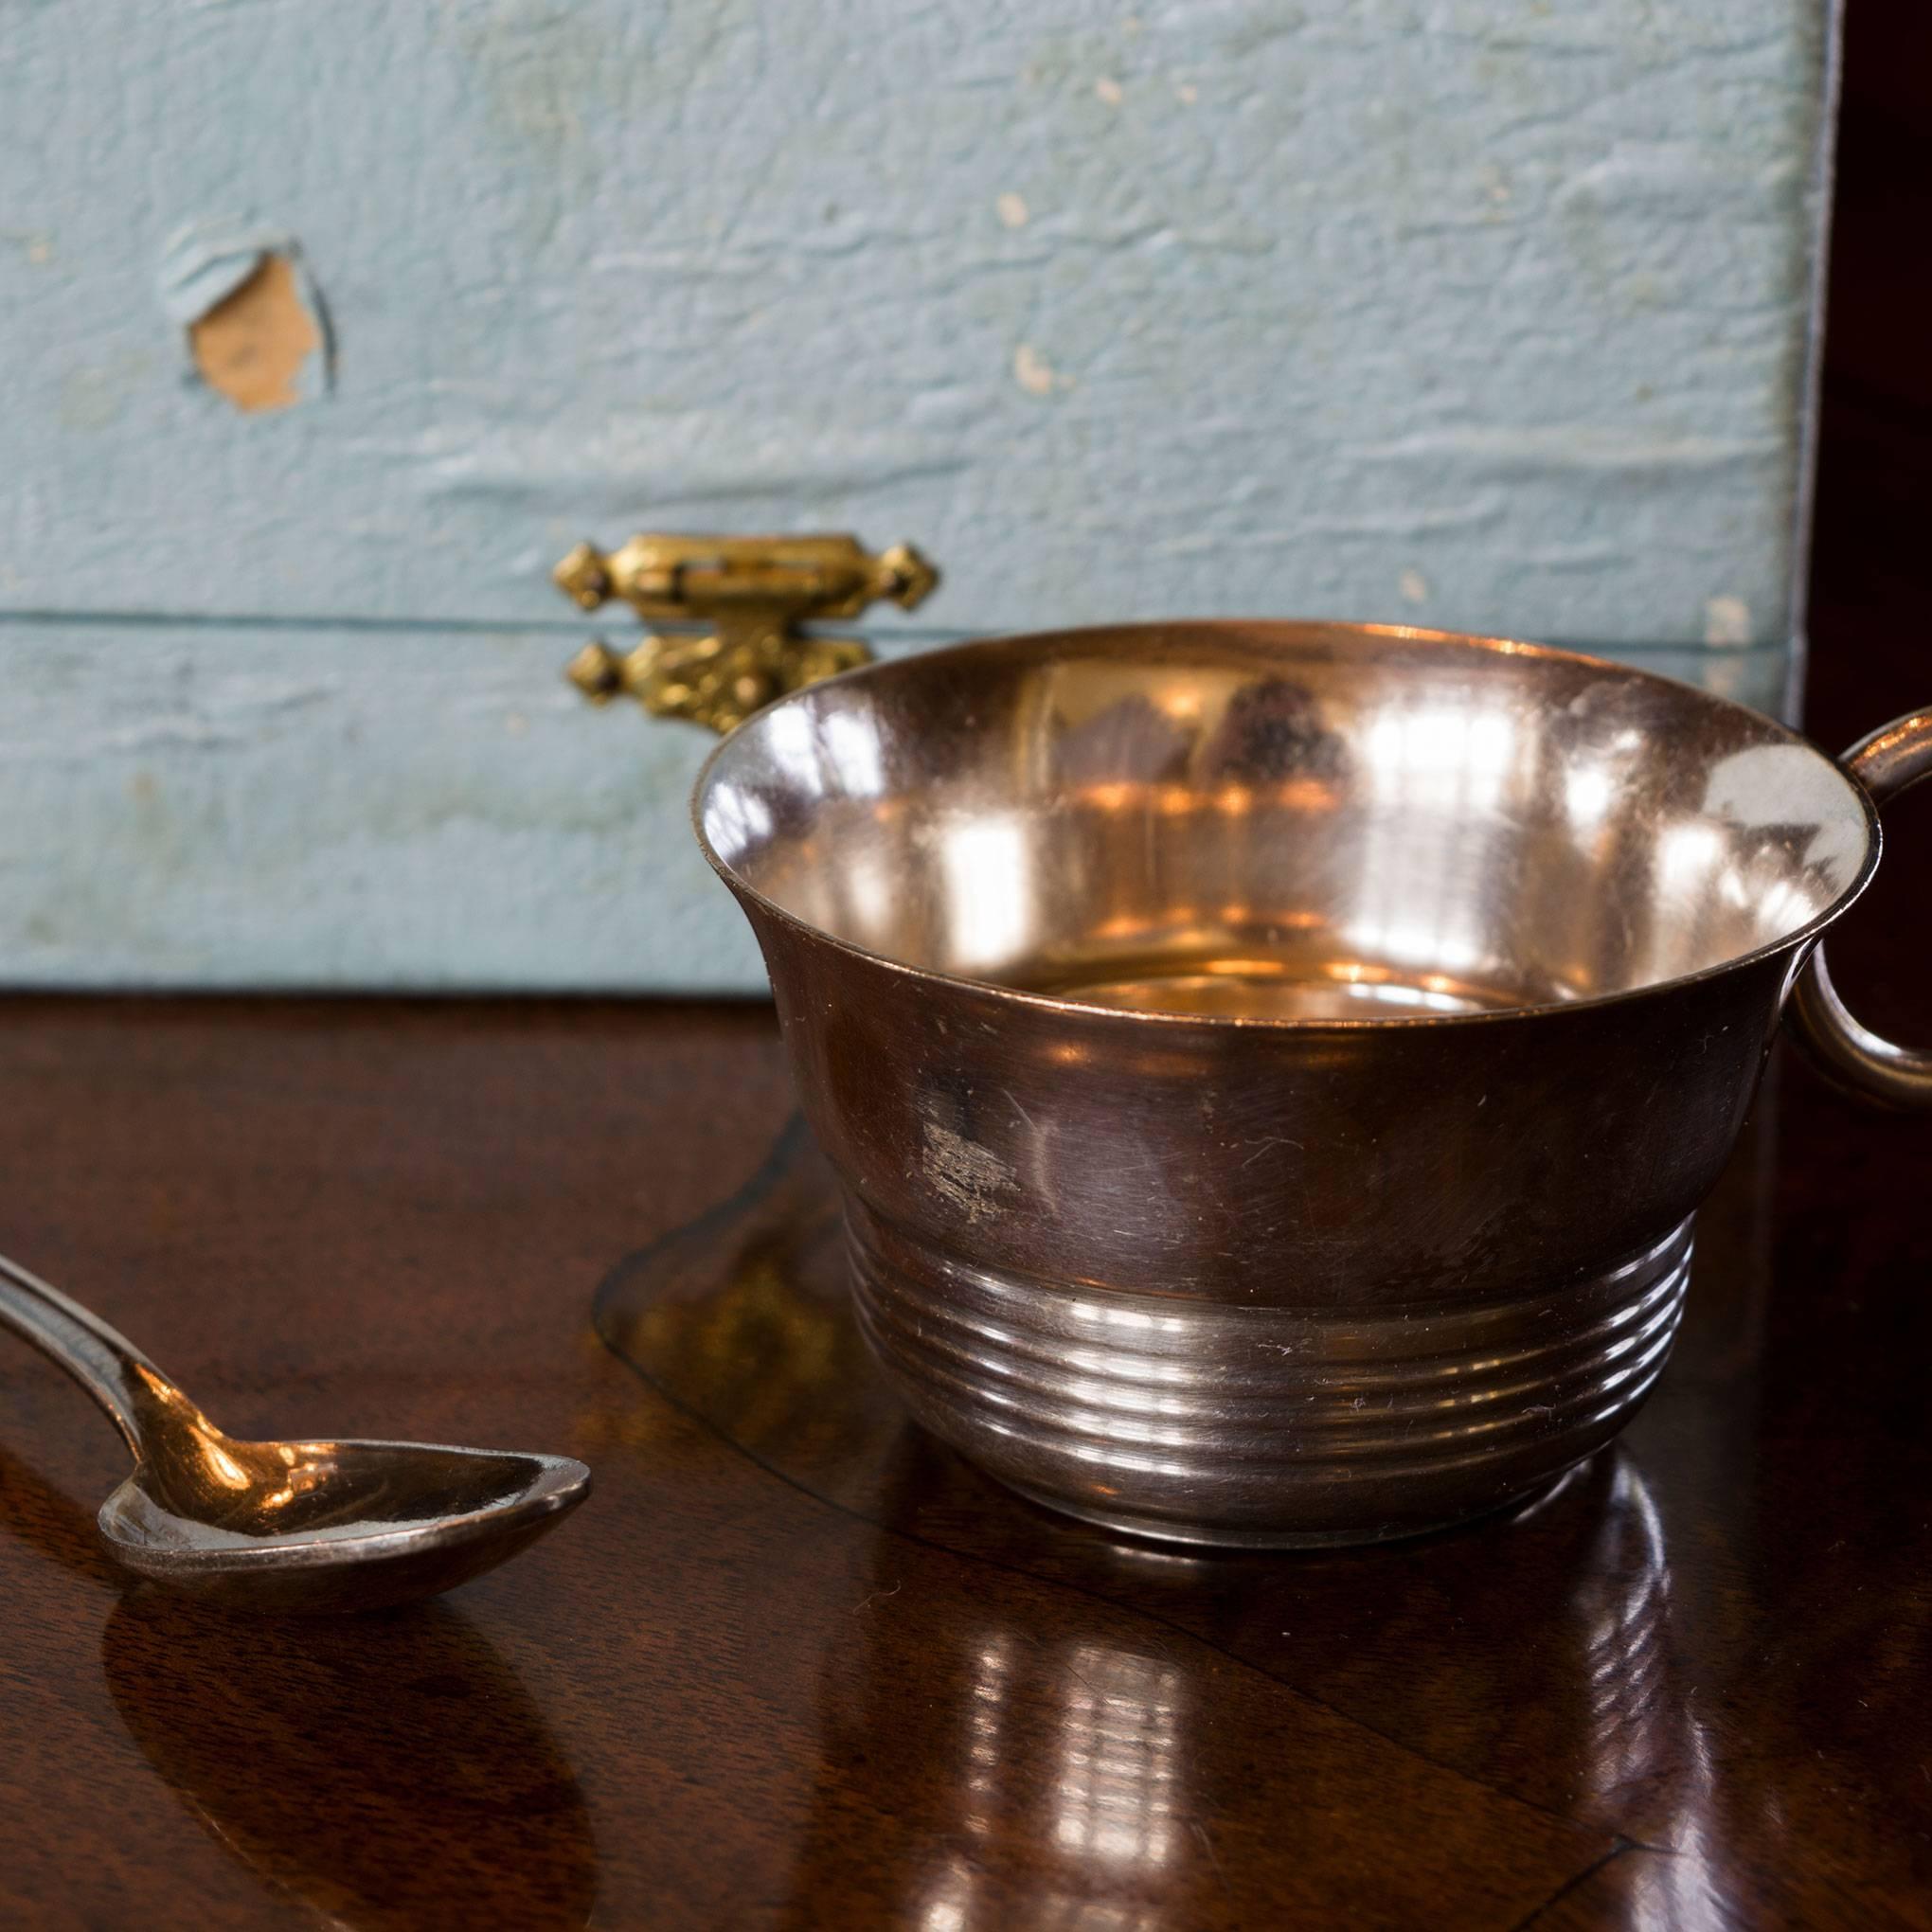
(972, 1177)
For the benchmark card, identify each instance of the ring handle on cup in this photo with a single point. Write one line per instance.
(1892, 761)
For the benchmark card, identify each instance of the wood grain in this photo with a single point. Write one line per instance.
(797, 1666)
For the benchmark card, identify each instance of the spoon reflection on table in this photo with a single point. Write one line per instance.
(393, 1771)
(286, 1526)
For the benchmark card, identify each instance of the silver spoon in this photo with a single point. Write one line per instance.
(286, 1526)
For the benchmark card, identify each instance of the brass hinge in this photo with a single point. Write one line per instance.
(753, 592)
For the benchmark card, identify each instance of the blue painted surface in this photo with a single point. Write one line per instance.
(1487, 316)
(1491, 315)
(370, 807)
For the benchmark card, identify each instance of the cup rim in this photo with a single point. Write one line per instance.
(1260, 630)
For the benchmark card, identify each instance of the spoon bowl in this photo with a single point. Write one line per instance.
(337, 1526)
(300, 1526)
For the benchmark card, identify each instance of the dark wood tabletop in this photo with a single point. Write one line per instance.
(796, 1666)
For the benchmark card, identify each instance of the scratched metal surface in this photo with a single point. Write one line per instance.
(1497, 316)
(187, 805)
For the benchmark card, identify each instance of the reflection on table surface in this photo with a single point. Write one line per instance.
(380, 1771)
(1097, 1781)
(1104, 1775)
(1112, 1785)
(386, 1770)
(798, 1666)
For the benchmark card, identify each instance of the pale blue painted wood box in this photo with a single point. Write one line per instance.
(1488, 315)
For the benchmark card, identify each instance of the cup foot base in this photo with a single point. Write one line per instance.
(1208, 1537)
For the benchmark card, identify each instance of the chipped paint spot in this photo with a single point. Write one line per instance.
(972, 1177)
(1107, 90)
(1012, 209)
(252, 345)
(1414, 587)
(1034, 374)
(1186, 94)
(251, 317)
(1726, 621)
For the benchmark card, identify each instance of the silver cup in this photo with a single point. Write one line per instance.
(1274, 1068)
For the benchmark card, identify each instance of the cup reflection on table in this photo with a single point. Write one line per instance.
(1109, 1819)
(1076, 1789)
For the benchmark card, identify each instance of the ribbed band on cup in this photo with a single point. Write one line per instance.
(1178, 1417)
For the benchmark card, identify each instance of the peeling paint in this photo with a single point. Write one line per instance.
(1012, 209)
(1726, 621)
(253, 319)
(222, 724)
(1575, 448)
(1108, 91)
(1414, 587)
(1034, 374)
(254, 345)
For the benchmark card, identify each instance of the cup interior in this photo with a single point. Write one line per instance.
(1287, 822)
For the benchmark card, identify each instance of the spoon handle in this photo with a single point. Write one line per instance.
(102, 1361)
